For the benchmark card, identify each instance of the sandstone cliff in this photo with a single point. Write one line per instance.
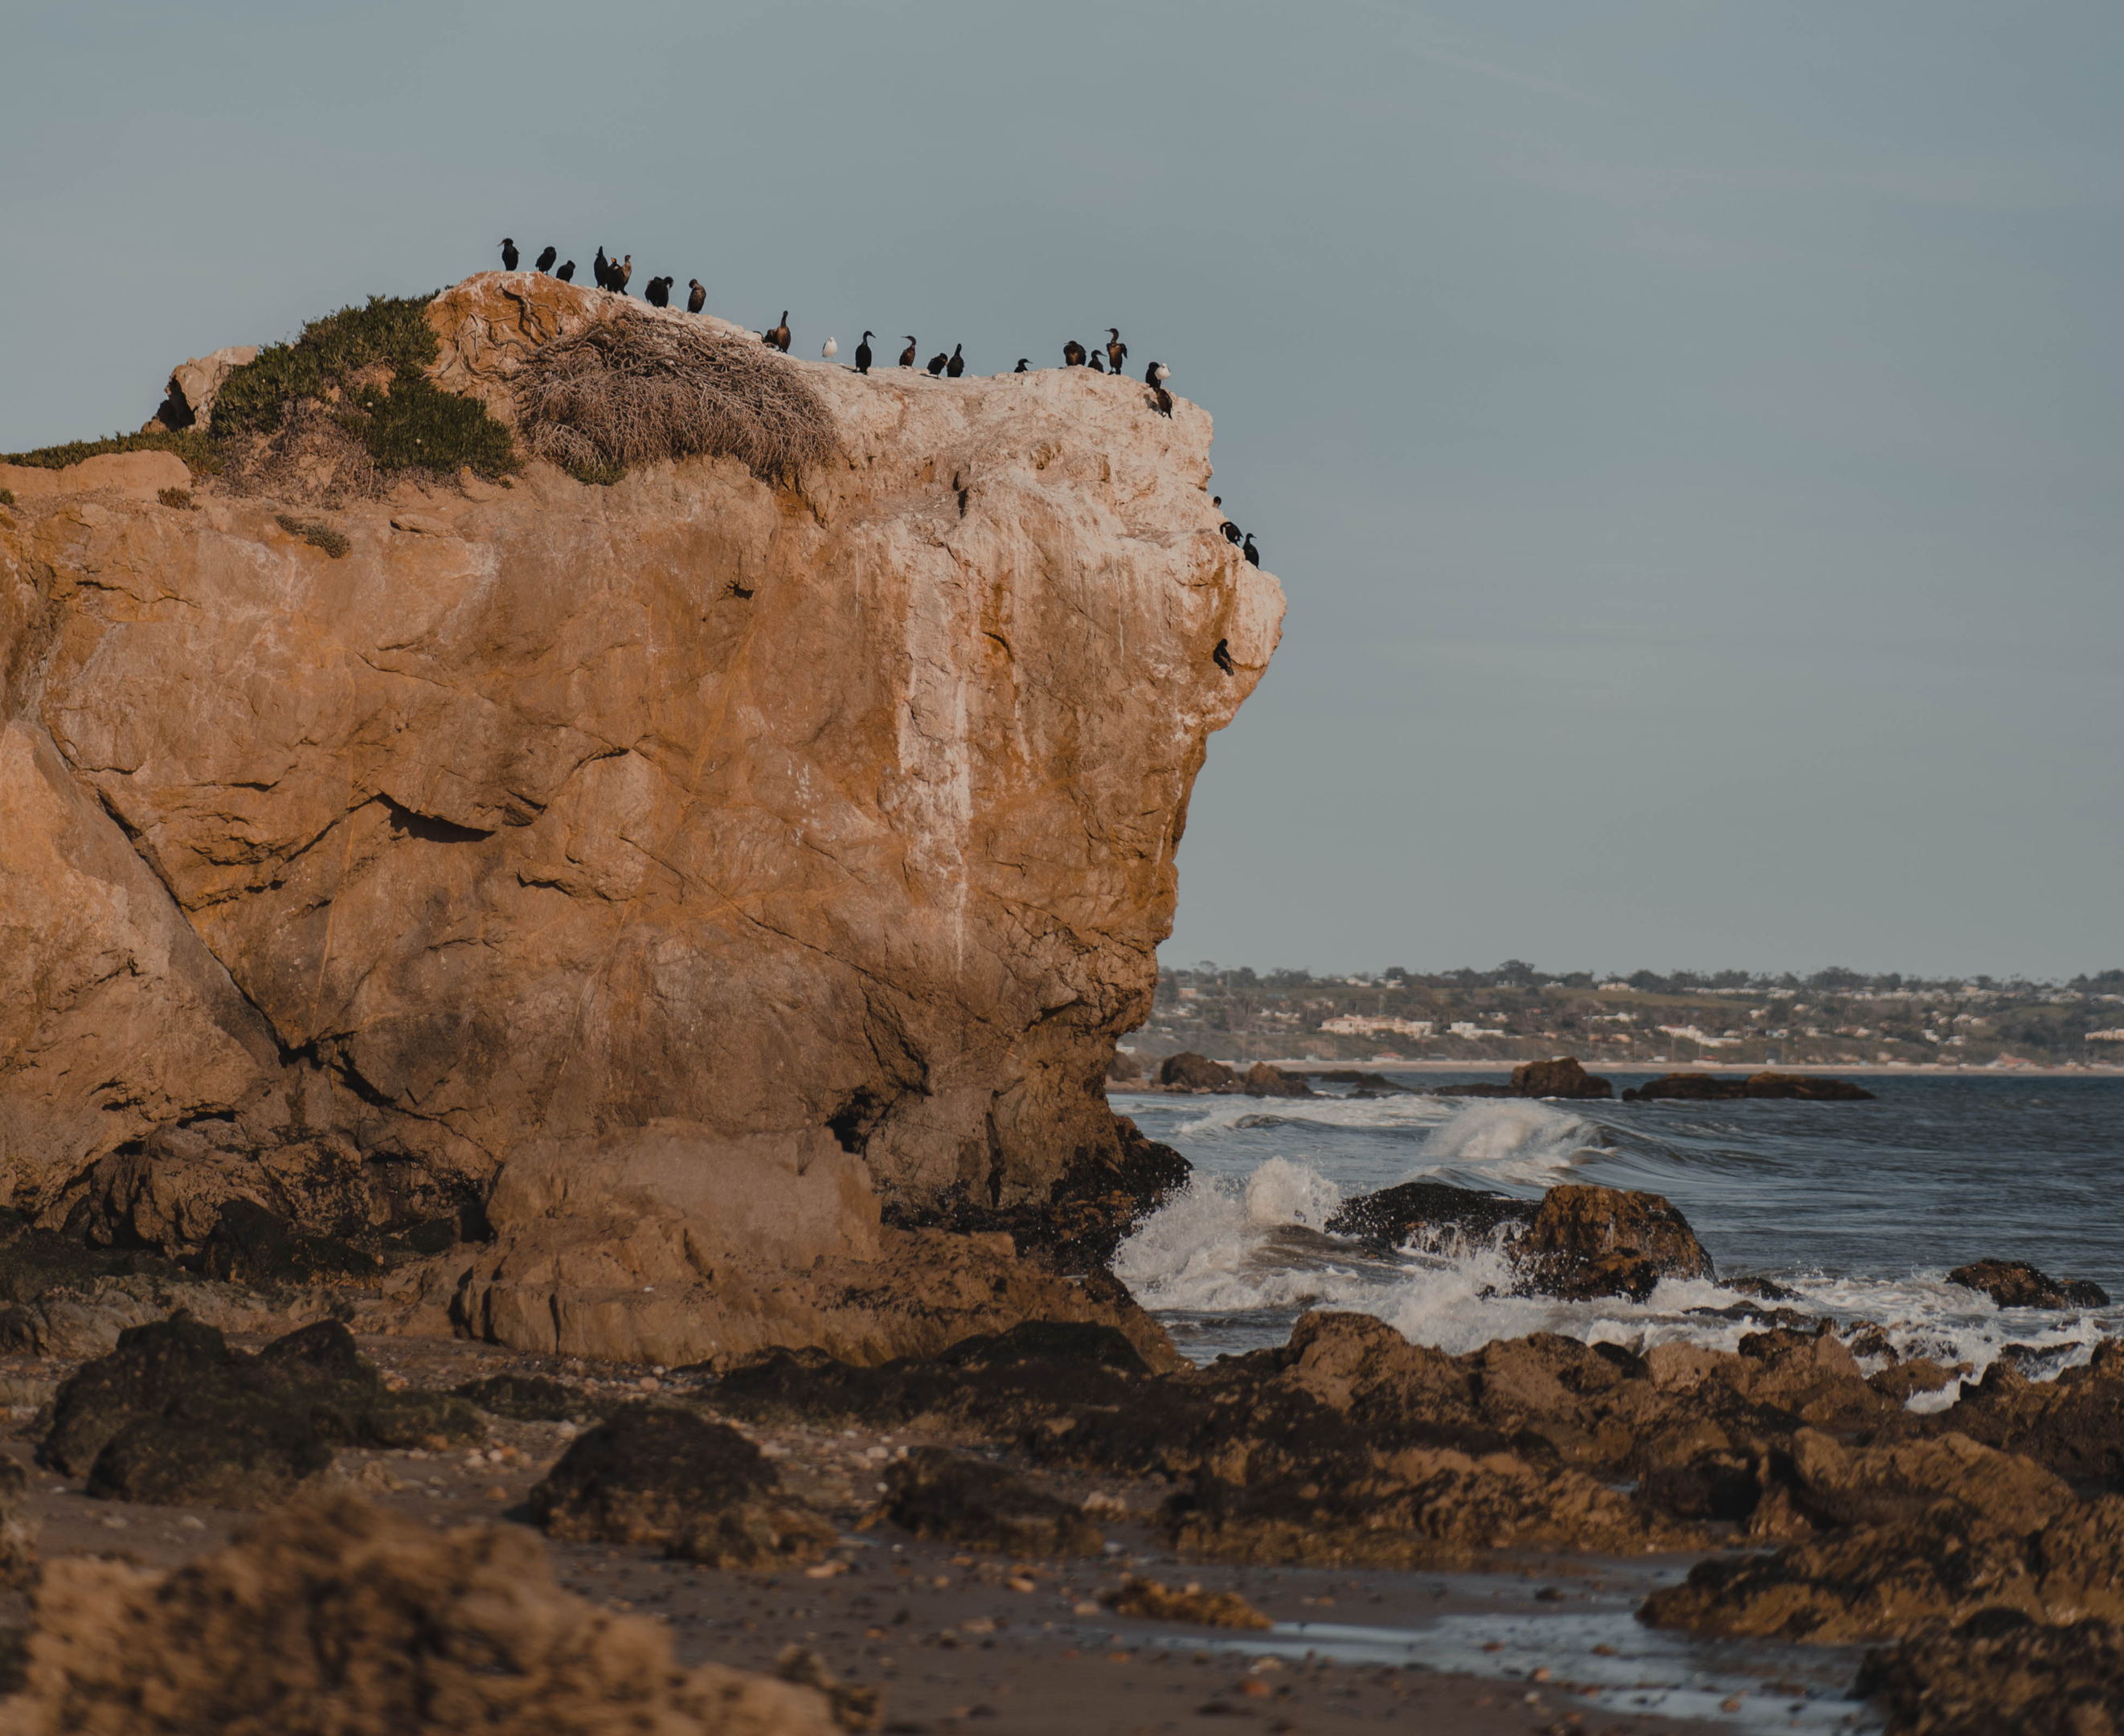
(673, 871)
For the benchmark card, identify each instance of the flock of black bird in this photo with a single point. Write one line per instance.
(615, 274)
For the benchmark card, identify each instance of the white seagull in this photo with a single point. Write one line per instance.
(830, 350)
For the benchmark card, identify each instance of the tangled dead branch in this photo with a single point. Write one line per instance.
(639, 389)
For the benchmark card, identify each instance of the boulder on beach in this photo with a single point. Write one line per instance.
(1188, 1071)
(1713, 1088)
(1263, 1081)
(2017, 1284)
(1125, 1068)
(665, 1474)
(175, 1417)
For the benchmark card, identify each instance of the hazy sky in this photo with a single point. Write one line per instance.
(1689, 436)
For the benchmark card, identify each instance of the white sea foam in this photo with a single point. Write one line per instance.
(1252, 1244)
(1519, 1140)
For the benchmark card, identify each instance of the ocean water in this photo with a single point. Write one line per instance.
(1860, 1208)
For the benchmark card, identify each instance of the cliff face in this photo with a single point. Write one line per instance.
(688, 848)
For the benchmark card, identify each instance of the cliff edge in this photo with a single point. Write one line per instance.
(661, 878)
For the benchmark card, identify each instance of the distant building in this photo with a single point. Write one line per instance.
(1367, 1024)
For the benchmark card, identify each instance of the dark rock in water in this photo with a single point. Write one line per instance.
(1711, 1088)
(1478, 1088)
(1768, 1289)
(955, 1500)
(1362, 1084)
(2000, 1671)
(1191, 1072)
(174, 1416)
(1123, 1069)
(1574, 1242)
(1263, 1081)
(2017, 1284)
(1607, 1241)
(1561, 1077)
(1435, 1215)
(531, 1397)
(662, 1473)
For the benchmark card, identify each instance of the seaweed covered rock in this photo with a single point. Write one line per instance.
(2017, 1284)
(174, 1416)
(1148, 1600)
(665, 1475)
(1999, 1672)
(1435, 1217)
(956, 1500)
(1915, 1576)
(339, 1618)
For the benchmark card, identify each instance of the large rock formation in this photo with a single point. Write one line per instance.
(673, 871)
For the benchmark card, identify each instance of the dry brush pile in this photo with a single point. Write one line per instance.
(640, 389)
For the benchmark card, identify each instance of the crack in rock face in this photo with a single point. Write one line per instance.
(570, 858)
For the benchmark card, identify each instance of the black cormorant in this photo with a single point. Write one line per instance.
(1072, 353)
(696, 297)
(779, 337)
(546, 258)
(1116, 351)
(936, 364)
(657, 292)
(566, 274)
(1098, 365)
(601, 268)
(1231, 532)
(1252, 553)
(1021, 367)
(956, 365)
(862, 353)
(622, 272)
(907, 355)
(508, 254)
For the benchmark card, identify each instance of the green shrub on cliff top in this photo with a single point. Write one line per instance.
(409, 425)
(199, 453)
(392, 329)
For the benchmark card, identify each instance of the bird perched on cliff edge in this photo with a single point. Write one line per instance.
(508, 254)
(862, 353)
(657, 292)
(956, 365)
(779, 337)
(1231, 532)
(1116, 351)
(696, 297)
(1098, 366)
(1252, 553)
(829, 349)
(1021, 368)
(621, 272)
(936, 364)
(1157, 373)
(601, 269)
(907, 355)
(1072, 353)
(566, 274)
(546, 258)
(1158, 395)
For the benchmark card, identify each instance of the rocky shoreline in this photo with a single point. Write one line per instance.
(1820, 1509)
